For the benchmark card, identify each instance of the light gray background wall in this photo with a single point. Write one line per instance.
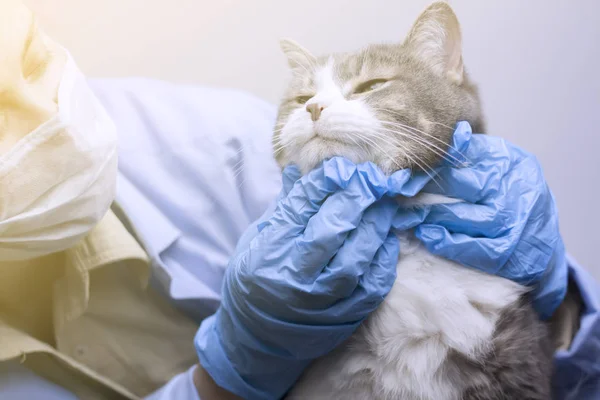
(537, 62)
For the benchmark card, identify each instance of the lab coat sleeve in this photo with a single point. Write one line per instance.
(196, 167)
(577, 370)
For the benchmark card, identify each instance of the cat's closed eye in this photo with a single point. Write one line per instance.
(368, 86)
(302, 99)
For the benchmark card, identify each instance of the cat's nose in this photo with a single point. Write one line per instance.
(315, 110)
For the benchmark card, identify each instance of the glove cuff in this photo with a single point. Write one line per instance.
(551, 290)
(214, 360)
(267, 376)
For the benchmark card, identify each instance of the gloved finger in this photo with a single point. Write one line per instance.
(309, 192)
(372, 288)
(322, 287)
(494, 165)
(397, 180)
(340, 213)
(379, 279)
(461, 139)
(373, 178)
(290, 175)
(475, 220)
(407, 183)
(484, 254)
(354, 258)
(479, 147)
(469, 184)
(408, 218)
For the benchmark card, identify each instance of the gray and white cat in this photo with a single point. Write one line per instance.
(445, 332)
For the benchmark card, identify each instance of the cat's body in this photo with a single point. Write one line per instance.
(445, 332)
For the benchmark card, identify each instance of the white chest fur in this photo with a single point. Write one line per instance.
(435, 307)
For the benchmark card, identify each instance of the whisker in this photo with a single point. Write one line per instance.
(393, 140)
(358, 144)
(277, 143)
(444, 125)
(427, 168)
(410, 128)
(402, 137)
(237, 152)
(420, 131)
(416, 139)
(279, 146)
(436, 149)
(239, 167)
(400, 115)
(238, 172)
(278, 150)
(241, 183)
(374, 144)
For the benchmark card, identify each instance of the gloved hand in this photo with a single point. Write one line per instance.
(316, 268)
(507, 223)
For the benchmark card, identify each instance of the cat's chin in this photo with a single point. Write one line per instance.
(318, 149)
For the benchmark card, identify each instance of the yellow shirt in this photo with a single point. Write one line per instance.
(84, 317)
(86, 320)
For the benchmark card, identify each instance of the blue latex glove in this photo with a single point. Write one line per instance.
(507, 224)
(315, 270)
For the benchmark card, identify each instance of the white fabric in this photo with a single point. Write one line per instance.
(195, 169)
(58, 181)
(181, 387)
(19, 383)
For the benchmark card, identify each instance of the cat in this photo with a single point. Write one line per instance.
(444, 332)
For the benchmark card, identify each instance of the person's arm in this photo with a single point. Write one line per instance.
(576, 366)
(311, 274)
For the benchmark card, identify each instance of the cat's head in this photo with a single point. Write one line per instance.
(393, 104)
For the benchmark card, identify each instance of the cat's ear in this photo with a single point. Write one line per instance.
(297, 55)
(435, 39)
